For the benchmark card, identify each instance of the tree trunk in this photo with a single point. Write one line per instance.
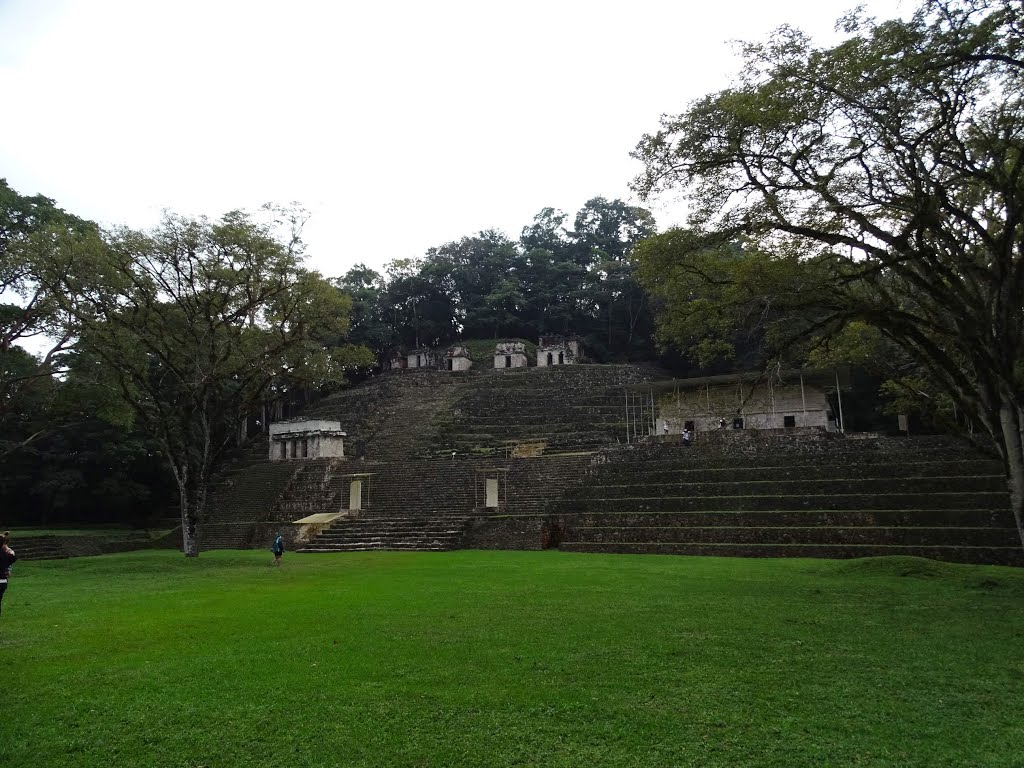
(189, 523)
(192, 491)
(1013, 457)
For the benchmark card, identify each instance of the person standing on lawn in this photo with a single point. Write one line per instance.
(7, 558)
(278, 549)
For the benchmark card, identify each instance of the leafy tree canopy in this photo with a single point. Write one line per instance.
(195, 324)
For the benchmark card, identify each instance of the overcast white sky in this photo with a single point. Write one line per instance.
(400, 125)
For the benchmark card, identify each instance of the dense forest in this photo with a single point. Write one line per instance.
(559, 277)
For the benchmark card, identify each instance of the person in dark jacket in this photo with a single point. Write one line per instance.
(278, 549)
(7, 558)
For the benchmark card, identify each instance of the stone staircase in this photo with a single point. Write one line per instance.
(39, 548)
(58, 546)
(429, 504)
(243, 493)
(561, 409)
(403, 419)
(393, 533)
(829, 497)
(394, 414)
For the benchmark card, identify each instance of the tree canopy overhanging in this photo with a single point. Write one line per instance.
(877, 182)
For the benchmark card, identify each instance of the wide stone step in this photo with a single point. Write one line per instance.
(824, 469)
(989, 555)
(682, 459)
(886, 518)
(41, 553)
(639, 503)
(375, 547)
(388, 523)
(342, 536)
(907, 536)
(921, 485)
(440, 538)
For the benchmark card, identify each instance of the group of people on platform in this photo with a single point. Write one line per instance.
(687, 433)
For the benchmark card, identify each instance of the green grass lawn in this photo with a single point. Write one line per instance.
(510, 659)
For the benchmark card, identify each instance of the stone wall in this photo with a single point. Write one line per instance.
(725, 443)
(505, 532)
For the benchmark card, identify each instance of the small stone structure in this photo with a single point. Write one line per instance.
(510, 354)
(395, 360)
(306, 439)
(559, 350)
(424, 357)
(457, 359)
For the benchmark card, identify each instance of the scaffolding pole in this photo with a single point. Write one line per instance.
(625, 393)
(839, 395)
(654, 415)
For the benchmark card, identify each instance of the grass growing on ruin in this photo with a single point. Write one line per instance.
(499, 659)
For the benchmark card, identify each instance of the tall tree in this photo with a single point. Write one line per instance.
(886, 176)
(482, 274)
(606, 231)
(555, 282)
(369, 322)
(33, 231)
(192, 322)
(420, 303)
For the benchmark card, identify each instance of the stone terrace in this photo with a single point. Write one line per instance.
(790, 493)
(393, 414)
(561, 409)
(787, 495)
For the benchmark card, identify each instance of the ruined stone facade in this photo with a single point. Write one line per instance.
(510, 354)
(457, 359)
(306, 439)
(744, 406)
(559, 350)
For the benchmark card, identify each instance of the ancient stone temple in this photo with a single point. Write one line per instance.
(457, 359)
(306, 439)
(510, 354)
(559, 350)
(579, 457)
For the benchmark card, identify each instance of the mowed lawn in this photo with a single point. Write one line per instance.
(510, 659)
